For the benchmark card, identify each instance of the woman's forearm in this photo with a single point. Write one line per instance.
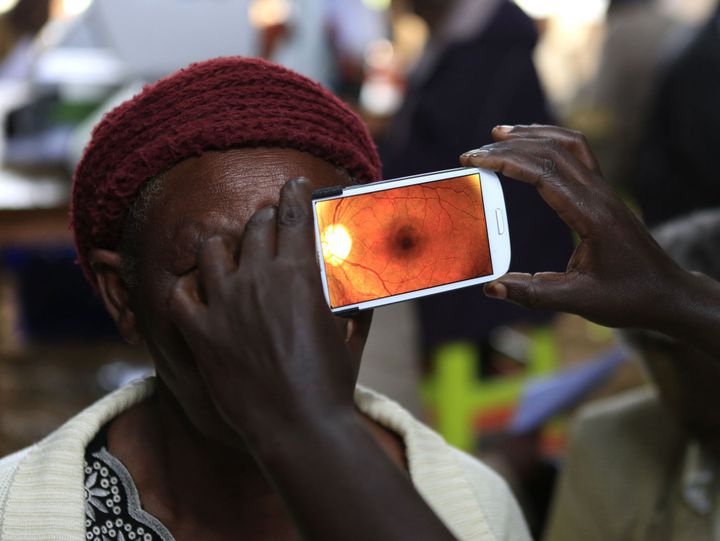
(339, 484)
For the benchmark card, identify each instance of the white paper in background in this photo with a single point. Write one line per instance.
(18, 192)
(158, 37)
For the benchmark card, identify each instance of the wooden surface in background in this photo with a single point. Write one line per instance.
(35, 226)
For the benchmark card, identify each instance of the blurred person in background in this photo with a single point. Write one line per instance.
(641, 39)
(200, 245)
(322, 39)
(352, 26)
(645, 466)
(476, 72)
(676, 171)
(298, 38)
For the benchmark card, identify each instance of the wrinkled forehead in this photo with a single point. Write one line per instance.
(220, 191)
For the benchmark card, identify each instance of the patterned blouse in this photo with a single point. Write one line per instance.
(113, 511)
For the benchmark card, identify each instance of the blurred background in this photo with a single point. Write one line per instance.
(431, 78)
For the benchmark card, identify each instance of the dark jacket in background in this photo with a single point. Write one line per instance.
(473, 86)
(677, 169)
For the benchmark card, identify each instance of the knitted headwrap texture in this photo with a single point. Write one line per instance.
(229, 102)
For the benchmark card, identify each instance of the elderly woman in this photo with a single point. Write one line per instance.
(201, 250)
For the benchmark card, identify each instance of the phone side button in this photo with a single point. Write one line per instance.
(500, 221)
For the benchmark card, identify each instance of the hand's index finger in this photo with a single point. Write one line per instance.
(216, 259)
(258, 242)
(185, 307)
(535, 164)
(295, 223)
(572, 140)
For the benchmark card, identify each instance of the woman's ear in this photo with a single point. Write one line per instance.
(106, 266)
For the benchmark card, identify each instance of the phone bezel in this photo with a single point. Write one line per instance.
(494, 206)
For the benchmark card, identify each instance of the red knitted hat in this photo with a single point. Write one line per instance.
(218, 104)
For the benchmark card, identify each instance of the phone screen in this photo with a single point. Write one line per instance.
(403, 239)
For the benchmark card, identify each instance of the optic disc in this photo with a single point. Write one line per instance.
(336, 244)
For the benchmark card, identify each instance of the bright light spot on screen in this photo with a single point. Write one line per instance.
(7, 5)
(336, 244)
(578, 11)
(72, 8)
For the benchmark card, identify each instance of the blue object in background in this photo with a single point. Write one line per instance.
(545, 398)
(57, 304)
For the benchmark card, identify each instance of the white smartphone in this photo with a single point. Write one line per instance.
(410, 237)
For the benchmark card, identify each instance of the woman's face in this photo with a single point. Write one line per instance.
(201, 197)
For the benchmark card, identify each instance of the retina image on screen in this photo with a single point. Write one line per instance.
(389, 242)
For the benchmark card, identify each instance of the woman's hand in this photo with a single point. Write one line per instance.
(618, 276)
(279, 371)
(265, 341)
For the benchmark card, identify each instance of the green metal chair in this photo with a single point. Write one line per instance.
(457, 395)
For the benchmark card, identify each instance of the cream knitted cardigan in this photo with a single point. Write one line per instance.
(42, 489)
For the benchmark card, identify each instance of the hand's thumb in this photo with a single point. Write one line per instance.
(543, 290)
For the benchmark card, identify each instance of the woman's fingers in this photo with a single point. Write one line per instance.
(295, 221)
(259, 237)
(216, 260)
(186, 308)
